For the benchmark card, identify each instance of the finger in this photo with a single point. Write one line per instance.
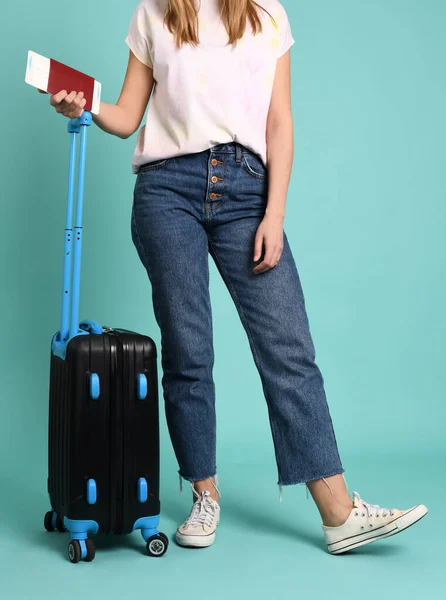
(277, 254)
(258, 246)
(266, 264)
(66, 102)
(269, 256)
(57, 98)
(79, 102)
(261, 268)
(78, 99)
(71, 96)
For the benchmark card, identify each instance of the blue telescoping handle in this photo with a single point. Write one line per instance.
(73, 237)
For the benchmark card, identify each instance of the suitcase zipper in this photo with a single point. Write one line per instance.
(116, 439)
(120, 419)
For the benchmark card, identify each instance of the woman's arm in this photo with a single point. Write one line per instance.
(280, 139)
(123, 118)
(280, 153)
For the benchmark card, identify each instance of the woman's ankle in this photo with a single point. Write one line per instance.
(336, 514)
(332, 499)
(209, 485)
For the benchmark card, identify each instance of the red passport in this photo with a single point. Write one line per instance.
(53, 76)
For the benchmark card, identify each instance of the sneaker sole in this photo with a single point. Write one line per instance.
(194, 541)
(392, 528)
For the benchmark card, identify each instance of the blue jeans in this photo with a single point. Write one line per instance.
(212, 202)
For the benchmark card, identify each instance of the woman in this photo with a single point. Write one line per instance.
(213, 165)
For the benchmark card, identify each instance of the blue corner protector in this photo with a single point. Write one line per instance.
(148, 526)
(92, 492)
(95, 386)
(79, 529)
(91, 326)
(59, 347)
(141, 386)
(143, 490)
(83, 546)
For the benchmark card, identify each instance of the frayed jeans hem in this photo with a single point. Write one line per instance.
(201, 478)
(305, 480)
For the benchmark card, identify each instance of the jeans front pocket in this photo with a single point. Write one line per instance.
(154, 164)
(149, 172)
(253, 165)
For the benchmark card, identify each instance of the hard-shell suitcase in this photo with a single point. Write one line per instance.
(103, 467)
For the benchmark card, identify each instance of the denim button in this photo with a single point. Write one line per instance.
(214, 179)
(214, 162)
(213, 196)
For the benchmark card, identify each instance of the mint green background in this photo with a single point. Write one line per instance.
(366, 219)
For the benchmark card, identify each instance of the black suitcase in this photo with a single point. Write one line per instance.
(103, 467)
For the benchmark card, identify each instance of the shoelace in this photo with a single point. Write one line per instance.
(373, 508)
(203, 511)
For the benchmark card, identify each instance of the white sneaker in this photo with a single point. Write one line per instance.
(368, 523)
(198, 529)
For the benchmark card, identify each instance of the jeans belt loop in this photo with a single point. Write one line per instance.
(238, 152)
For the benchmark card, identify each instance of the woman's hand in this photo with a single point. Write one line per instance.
(270, 235)
(69, 105)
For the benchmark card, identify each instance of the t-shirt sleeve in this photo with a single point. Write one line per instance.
(286, 39)
(138, 36)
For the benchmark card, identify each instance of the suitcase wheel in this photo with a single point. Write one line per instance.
(59, 525)
(74, 551)
(91, 550)
(52, 521)
(157, 545)
(81, 550)
(48, 521)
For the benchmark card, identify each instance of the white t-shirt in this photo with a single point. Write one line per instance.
(209, 94)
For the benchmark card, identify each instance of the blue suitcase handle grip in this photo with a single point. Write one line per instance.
(74, 125)
(91, 326)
